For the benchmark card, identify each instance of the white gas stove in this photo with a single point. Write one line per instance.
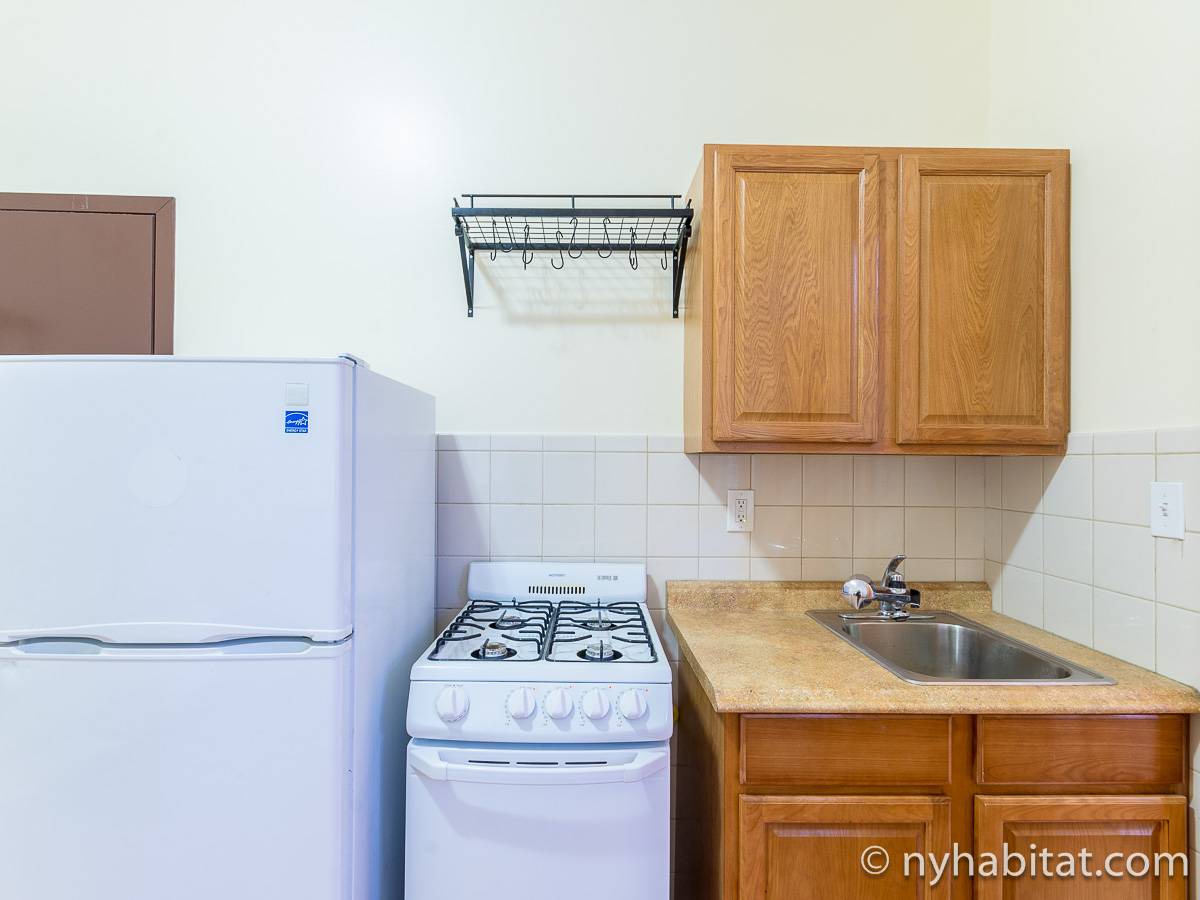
(544, 652)
(541, 719)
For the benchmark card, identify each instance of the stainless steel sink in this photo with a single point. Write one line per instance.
(945, 648)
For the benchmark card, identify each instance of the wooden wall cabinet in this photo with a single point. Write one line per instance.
(782, 807)
(877, 300)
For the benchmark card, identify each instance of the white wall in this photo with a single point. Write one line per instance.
(1119, 84)
(314, 149)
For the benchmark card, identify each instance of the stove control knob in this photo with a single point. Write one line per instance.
(595, 704)
(633, 705)
(521, 703)
(452, 704)
(558, 704)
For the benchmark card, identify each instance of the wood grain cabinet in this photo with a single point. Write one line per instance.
(783, 807)
(877, 300)
(811, 848)
(1118, 834)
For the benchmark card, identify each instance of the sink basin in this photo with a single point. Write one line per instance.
(946, 648)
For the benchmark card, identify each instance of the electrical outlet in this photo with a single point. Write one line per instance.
(739, 511)
(1166, 509)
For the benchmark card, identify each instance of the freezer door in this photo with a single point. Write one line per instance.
(154, 499)
(197, 774)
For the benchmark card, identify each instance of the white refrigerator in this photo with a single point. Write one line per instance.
(214, 578)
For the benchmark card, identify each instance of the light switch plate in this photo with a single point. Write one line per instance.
(739, 511)
(1166, 509)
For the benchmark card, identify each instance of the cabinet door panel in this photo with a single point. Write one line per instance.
(1066, 825)
(982, 356)
(796, 300)
(811, 848)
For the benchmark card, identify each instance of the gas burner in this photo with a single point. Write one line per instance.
(597, 624)
(493, 650)
(509, 620)
(599, 651)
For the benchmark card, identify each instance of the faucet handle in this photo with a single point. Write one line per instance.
(859, 591)
(892, 579)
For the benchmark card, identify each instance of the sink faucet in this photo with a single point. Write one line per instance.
(893, 594)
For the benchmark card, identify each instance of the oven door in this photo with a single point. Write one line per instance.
(537, 822)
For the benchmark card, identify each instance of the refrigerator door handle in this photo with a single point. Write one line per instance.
(59, 648)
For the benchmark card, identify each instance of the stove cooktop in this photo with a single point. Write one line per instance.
(538, 630)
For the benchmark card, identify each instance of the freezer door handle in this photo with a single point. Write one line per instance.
(488, 767)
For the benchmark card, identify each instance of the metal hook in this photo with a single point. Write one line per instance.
(663, 262)
(561, 262)
(607, 241)
(495, 241)
(525, 249)
(574, 228)
(633, 260)
(512, 241)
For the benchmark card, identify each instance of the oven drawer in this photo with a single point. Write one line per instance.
(537, 823)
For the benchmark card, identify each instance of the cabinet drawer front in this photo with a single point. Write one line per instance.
(796, 296)
(1082, 750)
(854, 750)
(983, 299)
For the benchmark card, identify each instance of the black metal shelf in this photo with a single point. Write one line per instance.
(569, 230)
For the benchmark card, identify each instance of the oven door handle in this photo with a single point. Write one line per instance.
(428, 761)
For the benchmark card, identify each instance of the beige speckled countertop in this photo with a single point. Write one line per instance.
(755, 650)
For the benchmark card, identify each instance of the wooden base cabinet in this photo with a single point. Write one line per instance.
(877, 300)
(1122, 833)
(811, 848)
(783, 807)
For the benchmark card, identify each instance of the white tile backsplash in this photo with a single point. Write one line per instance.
(929, 481)
(929, 532)
(569, 530)
(720, 473)
(568, 477)
(1176, 568)
(673, 478)
(516, 530)
(1061, 541)
(463, 476)
(1178, 642)
(1123, 559)
(1068, 490)
(1123, 442)
(516, 477)
(828, 480)
(827, 532)
(777, 479)
(777, 531)
(1122, 489)
(673, 530)
(715, 540)
(1021, 483)
(1067, 548)
(878, 481)
(1124, 627)
(620, 530)
(620, 477)
(1067, 609)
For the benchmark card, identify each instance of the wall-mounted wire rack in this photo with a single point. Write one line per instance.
(656, 227)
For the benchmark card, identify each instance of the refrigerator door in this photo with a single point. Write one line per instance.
(167, 500)
(184, 773)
